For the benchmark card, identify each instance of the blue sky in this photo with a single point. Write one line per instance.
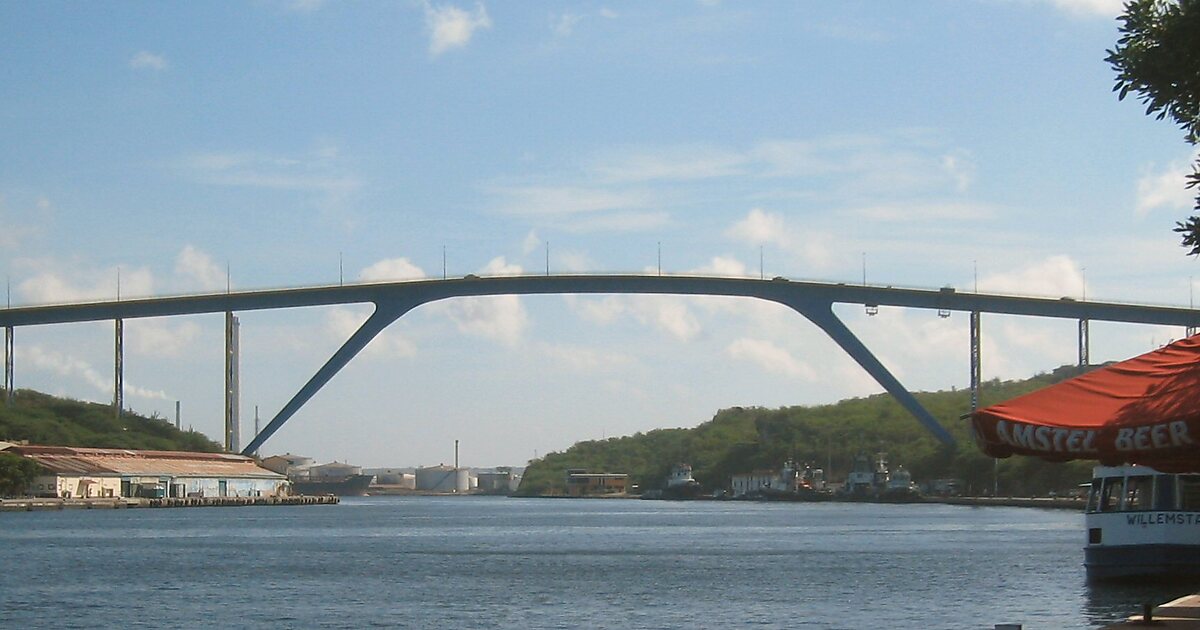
(296, 143)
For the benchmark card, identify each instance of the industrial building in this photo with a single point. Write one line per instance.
(581, 483)
(287, 464)
(443, 479)
(78, 472)
(401, 478)
(502, 481)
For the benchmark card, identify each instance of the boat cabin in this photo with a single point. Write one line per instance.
(1140, 488)
(1142, 522)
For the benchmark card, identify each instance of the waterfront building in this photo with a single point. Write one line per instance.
(582, 483)
(755, 482)
(79, 472)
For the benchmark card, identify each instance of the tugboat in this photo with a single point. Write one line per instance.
(900, 488)
(680, 484)
(1142, 523)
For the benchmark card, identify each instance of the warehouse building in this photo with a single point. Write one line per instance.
(78, 472)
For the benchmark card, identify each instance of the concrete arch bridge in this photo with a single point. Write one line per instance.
(813, 300)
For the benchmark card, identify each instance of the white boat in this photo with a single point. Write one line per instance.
(1142, 522)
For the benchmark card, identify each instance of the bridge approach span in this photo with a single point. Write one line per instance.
(813, 300)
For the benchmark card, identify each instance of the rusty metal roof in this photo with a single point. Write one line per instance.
(72, 460)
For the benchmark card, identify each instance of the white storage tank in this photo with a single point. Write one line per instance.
(443, 479)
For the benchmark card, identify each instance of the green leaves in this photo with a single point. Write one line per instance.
(1158, 57)
(16, 473)
(44, 419)
(744, 439)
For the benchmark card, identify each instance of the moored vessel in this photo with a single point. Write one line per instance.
(348, 486)
(1142, 523)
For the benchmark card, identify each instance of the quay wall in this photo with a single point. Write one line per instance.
(32, 505)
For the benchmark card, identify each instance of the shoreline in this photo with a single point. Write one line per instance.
(120, 503)
(1056, 503)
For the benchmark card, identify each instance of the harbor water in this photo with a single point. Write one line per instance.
(476, 562)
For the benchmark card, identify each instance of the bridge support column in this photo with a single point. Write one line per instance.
(118, 367)
(383, 317)
(976, 367)
(1084, 343)
(822, 315)
(8, 365)
(233, 385)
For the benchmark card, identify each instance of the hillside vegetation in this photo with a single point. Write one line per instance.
(48, 420)
(743, 439)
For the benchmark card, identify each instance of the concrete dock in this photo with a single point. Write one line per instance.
(117, 503)
(1181, 614)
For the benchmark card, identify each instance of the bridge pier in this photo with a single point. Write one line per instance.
(118, 367)
(8, 365)
(976, 361)
(1084, 343)
(232, 383)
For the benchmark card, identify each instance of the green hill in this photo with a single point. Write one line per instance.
(44, 419)
(743, 439)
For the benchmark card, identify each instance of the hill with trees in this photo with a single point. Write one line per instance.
(743, 439)
(48, 420)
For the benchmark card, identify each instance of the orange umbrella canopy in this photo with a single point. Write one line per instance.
(1145, 410)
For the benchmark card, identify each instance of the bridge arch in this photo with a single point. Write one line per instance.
(392, 300)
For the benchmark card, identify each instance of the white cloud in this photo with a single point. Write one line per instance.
(499, 318)
(391, 270)
(583, 359)
(303, 6)
(1056, 276)
(14, 234)
(759, 227)
(52, 286)
(724, 266)
(669, 314)
(451, 27)
(637, 189)
(197, 266)
(572, 261)
(567, 200)
(342, 322)
(683, 163)
(563, 25)
(1166, 189)
(771, 358)
(619, 222)
(530, 243)
(318, 171)
(159, 338)
(65, 365)
(812, 247)
(1096, 8)
(145, 60)
(933, 211)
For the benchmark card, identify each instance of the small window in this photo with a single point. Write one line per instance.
(1189, 492)
(1110, 493)
(1139, 493)
(1164, 492)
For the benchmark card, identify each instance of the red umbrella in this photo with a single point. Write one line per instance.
(1145, 410)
